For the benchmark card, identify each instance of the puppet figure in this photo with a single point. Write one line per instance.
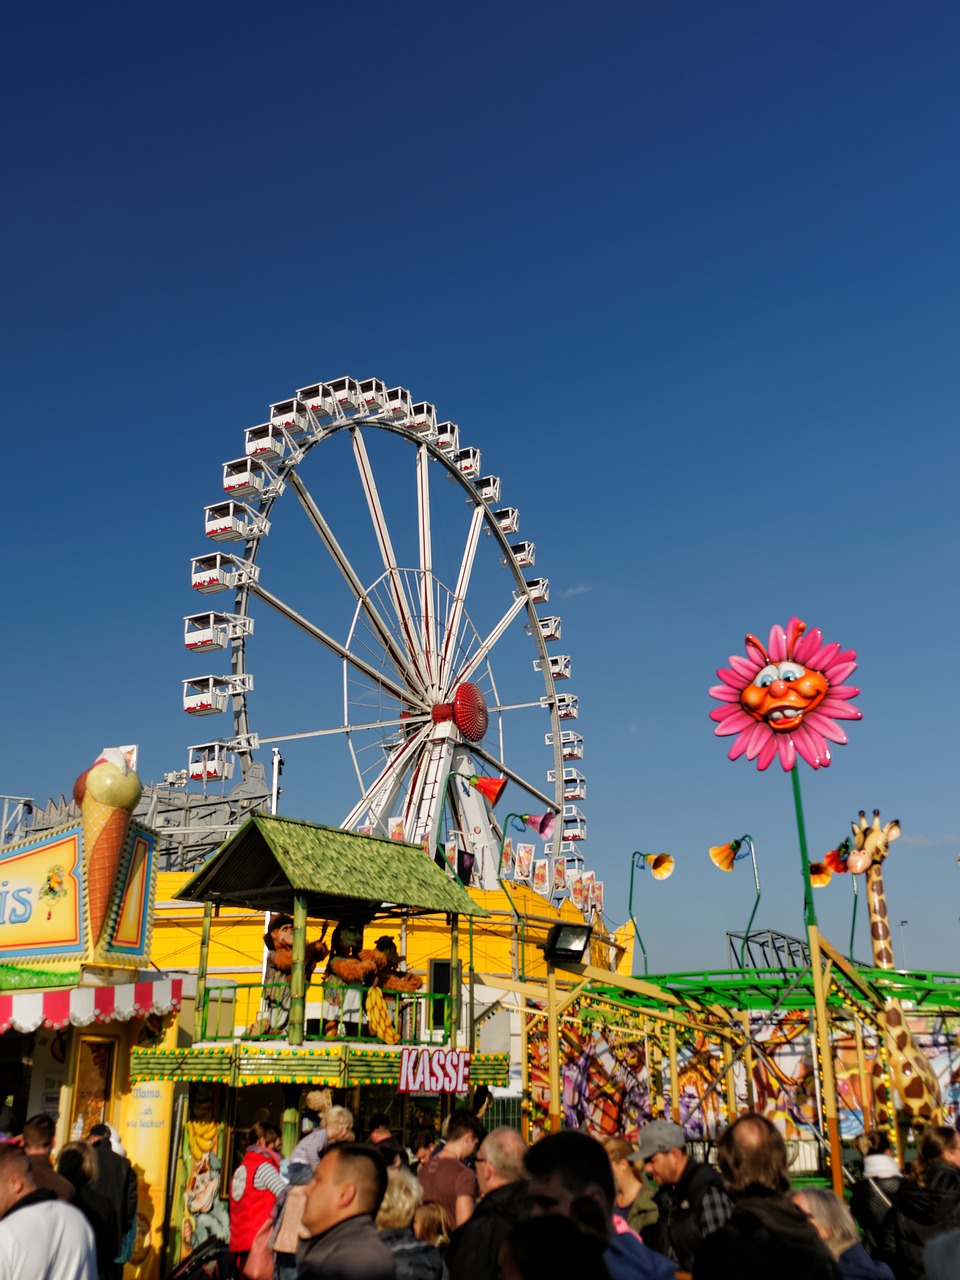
(349, 967)
(276, 988)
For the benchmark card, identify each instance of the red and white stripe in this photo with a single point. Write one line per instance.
(81, 1006)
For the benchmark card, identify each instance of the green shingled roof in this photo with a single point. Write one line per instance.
(340, 872)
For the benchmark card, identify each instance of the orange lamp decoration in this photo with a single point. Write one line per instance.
(660, 866)
(724, 856)
(490, 788)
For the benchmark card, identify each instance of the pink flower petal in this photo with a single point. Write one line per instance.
(829, 728)
(734, 680)
(755, 653)
(777, 644)
(808, 644)
(806, 747)
(795, 630)
(723, 693)
(848, 655)
(840, 672)
(739, 746)
(743, 667)
(840, 710)
(732, 723)
(758, 736)
(788, 754)
(844, 691)
(768, 752)
(824, 656)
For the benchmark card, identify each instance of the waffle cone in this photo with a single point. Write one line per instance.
(105, 830)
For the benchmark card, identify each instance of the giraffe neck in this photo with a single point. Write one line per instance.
(879, 924)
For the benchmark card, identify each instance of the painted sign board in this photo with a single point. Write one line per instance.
(44, 900)
(434, 1071)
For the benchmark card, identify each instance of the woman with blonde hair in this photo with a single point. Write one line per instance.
(431, 1223)
(633, 1199)
(414, 1259)
(834, 1224)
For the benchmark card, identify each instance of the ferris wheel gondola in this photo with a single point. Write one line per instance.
(432, 678)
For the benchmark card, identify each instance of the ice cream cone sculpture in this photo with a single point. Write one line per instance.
(107, 794)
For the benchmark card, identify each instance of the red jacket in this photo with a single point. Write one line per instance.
(249, 1207)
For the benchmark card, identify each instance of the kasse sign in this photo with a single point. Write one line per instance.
(434, 1071)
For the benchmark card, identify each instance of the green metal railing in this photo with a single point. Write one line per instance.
(261, 1011)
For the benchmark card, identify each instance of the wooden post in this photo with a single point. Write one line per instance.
(553, 1049)
(729, 1081)
(199, 1012)
(825, 1055)
(862, 1076)
(298, 984)
(674, 1073)
(454, 979)
(748, 1060)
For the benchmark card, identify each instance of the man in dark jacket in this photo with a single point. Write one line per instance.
(343, 1200)
(767, 1235)
(475, 1247)
(117, 1181)
(691, 1201)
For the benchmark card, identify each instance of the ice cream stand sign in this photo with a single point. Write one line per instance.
(45, 907)
(41, 898)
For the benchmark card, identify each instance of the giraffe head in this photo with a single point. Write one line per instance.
(870, 842)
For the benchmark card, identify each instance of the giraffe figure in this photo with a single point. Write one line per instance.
(913, 1076)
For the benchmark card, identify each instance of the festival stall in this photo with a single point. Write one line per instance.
(335, 1008)
(76, 996)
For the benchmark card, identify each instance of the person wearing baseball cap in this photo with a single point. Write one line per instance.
(690, 1197)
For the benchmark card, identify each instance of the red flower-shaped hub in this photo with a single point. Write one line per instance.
(468, 711)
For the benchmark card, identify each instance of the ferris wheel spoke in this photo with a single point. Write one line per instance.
(483, 652)
(428, 620)
(401, 604)
(507, 772)
(377, 625)
(455, 618)
(405, 697)
(388, 782)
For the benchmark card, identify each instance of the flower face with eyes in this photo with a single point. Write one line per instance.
(784, 699)
(781, 693)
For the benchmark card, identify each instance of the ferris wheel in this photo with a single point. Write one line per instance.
(396, 613)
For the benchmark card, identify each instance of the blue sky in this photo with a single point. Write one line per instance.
(686, 274)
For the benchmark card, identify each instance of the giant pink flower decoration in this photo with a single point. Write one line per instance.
(786, 699)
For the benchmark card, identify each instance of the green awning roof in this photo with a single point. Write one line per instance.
(340, 872)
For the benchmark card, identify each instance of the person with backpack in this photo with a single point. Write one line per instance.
(871, 1201)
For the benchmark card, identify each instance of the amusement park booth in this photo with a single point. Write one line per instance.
(361, 1026)
(77, 996)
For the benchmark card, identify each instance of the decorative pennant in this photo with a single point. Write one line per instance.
(506, 862)
(541, 880)
(559, 873)
(576, 890)
(396, 828)
(524, 859)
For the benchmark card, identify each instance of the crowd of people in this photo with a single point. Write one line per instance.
(75, 1221)
(483, 1205)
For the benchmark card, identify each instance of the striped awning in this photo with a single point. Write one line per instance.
(81, 1006)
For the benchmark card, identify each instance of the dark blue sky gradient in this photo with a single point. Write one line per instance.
(687, 275)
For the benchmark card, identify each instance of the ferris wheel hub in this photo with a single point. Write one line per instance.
(468, 711)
